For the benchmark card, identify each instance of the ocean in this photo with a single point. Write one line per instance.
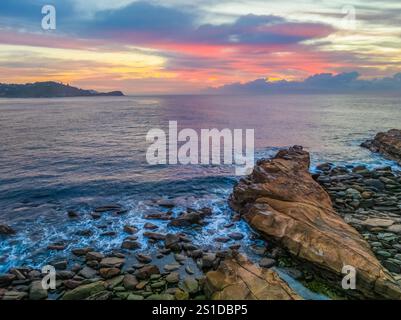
(76, 154)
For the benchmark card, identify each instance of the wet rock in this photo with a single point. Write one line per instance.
(172, 242)
(130, 229)
(392, 266)
(130, 245)
(208, 260)
(377, 222)
(146, 271)
(6, 230)
(108, 273)
(72, 214)
(114, 283)
(387, 143)
(236, 236)
(112, 262)
(375, 183)
(267, 263)
(108, 208)
(37, 292)
(143, 258)
(130, 282)
(14, 295)
(196, 253)
(239, 279)
(34, 274)
(64, 275)
(189, 247)
(158, 216)
(293, 273)
(56, 247)
(324, 166)
(18, 273)
(93, 264)
(108, 234)
(179, 257)
(164, 252)
(166, 203)
(84, 233)
(189, 270)
(155, 277)
(97, 256)
(154, 236)
(235, 247)
(81, 251)
(6, 279)
(60, 265)
(259, 250)
(190, 285)
(150, 226)
(173, 277)
(158, 284)
(72, 284)
(181, 295)
(141, 285)
(96, 215)
(187, 219)
(395, 228)
(281, 200)
(88, 273)
(85, 291)
(171, 267)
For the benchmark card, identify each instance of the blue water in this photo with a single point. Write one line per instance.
(78, 153)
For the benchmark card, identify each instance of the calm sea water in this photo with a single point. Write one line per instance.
(78, 153)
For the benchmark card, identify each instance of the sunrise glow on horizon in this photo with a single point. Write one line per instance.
(151, 47)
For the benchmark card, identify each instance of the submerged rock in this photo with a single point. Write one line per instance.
(387, 143)
(281, 200)
(130, 229)
(187, 219)
(6, 230)
(146, 271)
(238, 279)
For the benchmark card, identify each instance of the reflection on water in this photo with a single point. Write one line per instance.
(63, 154)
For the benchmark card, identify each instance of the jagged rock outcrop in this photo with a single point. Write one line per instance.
(387, 143)
(238, 279)
(282, 201)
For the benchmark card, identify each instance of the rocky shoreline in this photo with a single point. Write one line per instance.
(370, 201)
(311, 225)
(386, 143)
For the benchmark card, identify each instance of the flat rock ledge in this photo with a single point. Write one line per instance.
(387, 143)
(282, 201)
(238, 279)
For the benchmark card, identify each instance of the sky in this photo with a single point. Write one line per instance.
(177, 46)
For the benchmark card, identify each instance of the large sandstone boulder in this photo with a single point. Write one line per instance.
(387, 143)
(238, 279)
(282, 201)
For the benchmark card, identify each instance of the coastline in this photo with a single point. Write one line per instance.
(178, 269)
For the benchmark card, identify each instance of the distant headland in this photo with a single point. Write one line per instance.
(49, 89)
